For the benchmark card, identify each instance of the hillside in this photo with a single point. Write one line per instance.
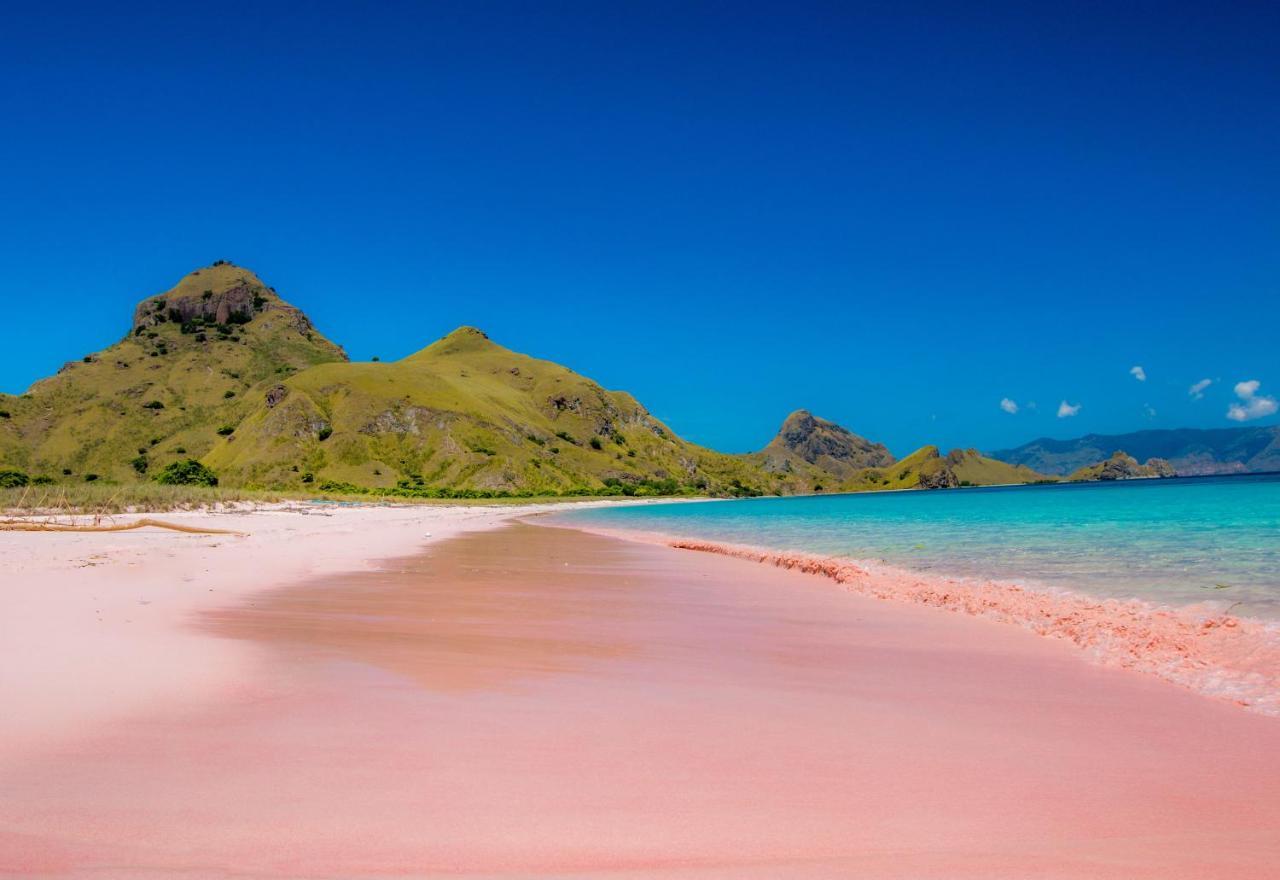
(1122, 466)
(221, 369)
(466, 413)
(1190, 451)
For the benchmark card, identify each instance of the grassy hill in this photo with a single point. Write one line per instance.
(467, 413)
(195, 356)
(223, 370)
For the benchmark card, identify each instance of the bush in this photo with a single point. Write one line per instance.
(4, 414)
(153, 404)
(180, 450)
(325, 433)
(566, 437)
(66, 472)
(226, 431)
(308, 477)
(140, 464)
(595, 443)
(90, 478)
(43, 480)
(10, 479)
(186, 473)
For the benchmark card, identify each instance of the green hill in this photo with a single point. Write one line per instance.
(223, 370)
(193, 358)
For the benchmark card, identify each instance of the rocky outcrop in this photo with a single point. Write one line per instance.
(235, 305)
(1122, 466)
(825, 444)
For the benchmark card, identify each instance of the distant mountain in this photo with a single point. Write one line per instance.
(1190, 451)
(221, 369)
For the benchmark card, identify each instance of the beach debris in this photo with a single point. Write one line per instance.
(25, 525)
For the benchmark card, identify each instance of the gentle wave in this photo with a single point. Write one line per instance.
(1204, 649)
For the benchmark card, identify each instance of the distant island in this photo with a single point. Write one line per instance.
(220, 380)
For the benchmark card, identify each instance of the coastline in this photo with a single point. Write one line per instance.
(1204, 649)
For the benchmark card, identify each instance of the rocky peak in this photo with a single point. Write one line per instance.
(813, 439)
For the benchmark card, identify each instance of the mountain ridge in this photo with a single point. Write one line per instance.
(221, 369)
(1190, 451)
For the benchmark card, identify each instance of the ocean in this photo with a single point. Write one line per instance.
(1171, 542)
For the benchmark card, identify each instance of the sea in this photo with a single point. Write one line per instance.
(1169, 542)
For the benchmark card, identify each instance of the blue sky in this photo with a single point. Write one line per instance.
(894, 215)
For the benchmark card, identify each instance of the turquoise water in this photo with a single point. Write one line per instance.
(1171, 542)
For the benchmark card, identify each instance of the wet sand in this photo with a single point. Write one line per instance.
(538, 702)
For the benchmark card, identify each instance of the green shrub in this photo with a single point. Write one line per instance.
(66, 472)
(153, 404)
(595, 443)
(187, 473)
(325, 433)
(90, 478)
(4, 414)
(43, 480)
(140, 464)
(226, 431)
(10, 479)
(566, 437)
(180, 450)
(308, 477)
(340, 488)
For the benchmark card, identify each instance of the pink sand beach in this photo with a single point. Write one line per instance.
(410, 692)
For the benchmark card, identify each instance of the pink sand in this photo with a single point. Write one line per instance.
(1202, 648)
(536, 702)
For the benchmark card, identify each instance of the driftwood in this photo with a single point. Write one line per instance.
(23, 525)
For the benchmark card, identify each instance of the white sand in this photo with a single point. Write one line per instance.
(98, 625)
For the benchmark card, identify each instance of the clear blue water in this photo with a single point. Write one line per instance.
(1171, 542)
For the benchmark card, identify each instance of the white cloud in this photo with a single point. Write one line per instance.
(1138, 373)
(1009, 406)
(1066, 410)
(1197, 390)
(1252, 404)
(1149, 410)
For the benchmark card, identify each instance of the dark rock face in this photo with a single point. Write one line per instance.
(275, 394)
(235, 305)
(943, 478)
(813, 439)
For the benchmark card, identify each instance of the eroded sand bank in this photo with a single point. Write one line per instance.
(536, 702)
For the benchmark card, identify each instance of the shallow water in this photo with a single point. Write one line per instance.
(1170, 542)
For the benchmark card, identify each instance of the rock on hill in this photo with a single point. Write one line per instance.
(1122, 466)
(1190, 451)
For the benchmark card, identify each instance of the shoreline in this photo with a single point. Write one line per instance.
(1208, 651)
(537, 702)
(95, 625)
